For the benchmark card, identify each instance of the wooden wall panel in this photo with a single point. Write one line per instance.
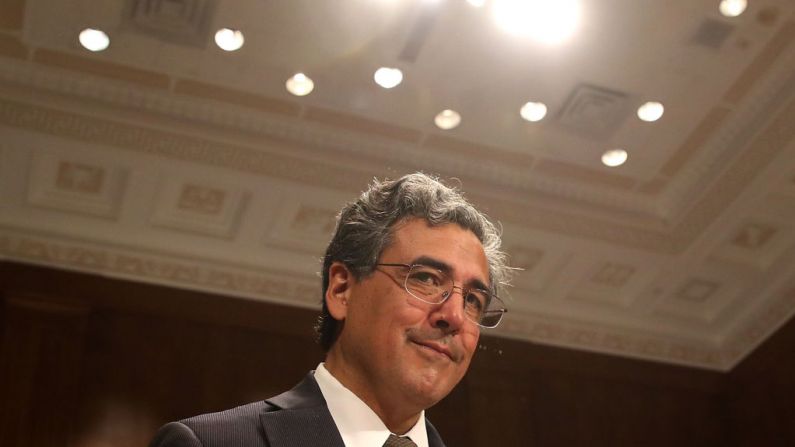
(117, 359)
(147, 370)
(549, 396)
(762, 393)
(39, 369)
(147, 355)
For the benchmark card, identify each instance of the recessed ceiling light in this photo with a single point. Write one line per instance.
(614, 157)
(477, 3)
(93, 39)
(300, 85)
(447, 119)
(732, 8)
(229, 39)
(651, 111)
(533, 111)
(388, 77)
(548, 21)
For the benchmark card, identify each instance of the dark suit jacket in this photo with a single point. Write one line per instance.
(296, 418)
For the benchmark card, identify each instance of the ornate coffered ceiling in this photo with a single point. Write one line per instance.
(167, 160)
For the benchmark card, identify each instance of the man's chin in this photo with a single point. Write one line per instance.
(430, 385)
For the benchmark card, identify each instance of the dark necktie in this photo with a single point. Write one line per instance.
(398, 441)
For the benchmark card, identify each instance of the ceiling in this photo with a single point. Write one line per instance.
(167, 160)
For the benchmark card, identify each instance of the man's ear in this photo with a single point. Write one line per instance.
(340, 280)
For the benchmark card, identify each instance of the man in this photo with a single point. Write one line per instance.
(409, 279)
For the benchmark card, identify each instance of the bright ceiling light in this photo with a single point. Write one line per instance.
(614, 157)
(533, 111)
(300, 85)
(477, 3)
(732, 8)
(93, 39)
(229, 39)
(388, 77)
(447, 119)
(651, 111)
(548, 21)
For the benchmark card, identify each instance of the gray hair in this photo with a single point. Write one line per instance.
(364, 230)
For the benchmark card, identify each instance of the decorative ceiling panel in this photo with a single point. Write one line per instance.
(192, 167)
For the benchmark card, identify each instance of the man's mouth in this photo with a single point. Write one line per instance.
(436, 347)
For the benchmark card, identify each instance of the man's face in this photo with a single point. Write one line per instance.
(397, 347)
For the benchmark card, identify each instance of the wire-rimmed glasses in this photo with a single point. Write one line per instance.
(433, 286)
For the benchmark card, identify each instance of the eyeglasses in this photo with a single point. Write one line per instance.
(433, 286)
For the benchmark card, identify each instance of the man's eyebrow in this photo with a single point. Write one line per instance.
(446, 268)
(432, 262)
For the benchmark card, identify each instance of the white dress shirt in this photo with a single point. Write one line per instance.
(358, 424)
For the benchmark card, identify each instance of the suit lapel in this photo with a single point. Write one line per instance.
(303, 427)
(434, 440)
(302, 418)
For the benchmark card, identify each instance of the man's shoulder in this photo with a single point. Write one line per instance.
(247, 414)
(235, 426)
(246, 424)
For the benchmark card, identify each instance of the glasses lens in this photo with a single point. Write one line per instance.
(476, 302)
(492, 318)
(427, 283)
(434, 286)
(483, 308)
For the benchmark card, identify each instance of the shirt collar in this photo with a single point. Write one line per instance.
(357, 423)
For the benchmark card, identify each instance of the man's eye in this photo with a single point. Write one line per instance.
(427, 278)
(477, 301)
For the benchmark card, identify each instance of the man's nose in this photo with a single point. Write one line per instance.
(450, 314)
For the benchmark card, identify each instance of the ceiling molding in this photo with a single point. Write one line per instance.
(192, 167)
(256, 282)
